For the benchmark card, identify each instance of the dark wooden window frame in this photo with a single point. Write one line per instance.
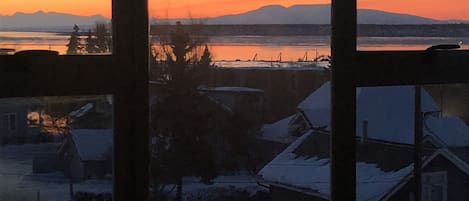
(352, 68)
(124, 74)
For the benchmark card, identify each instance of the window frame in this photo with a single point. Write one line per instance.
(10, 128)
(4, 124)
(444, 185)
(352, 68)
(124, 74)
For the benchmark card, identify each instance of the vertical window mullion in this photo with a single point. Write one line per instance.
(343, 49)
(130, 60)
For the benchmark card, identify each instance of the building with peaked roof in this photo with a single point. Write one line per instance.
(390, 107)
(87, 153)
(385, 130)
(302, 171)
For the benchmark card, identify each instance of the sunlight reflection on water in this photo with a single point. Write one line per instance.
(285, 48)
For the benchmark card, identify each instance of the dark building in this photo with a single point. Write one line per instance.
(16, 122)
(87, 154)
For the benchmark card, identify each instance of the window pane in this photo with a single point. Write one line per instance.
(5, 121)
(69, 27)
(228, 82)
(56, 148)
(411, 25)
(12, 121)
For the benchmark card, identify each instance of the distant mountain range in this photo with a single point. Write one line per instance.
(312, 14)
(52, 21)
(272, 14)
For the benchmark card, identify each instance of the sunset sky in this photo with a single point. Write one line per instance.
(439, 9)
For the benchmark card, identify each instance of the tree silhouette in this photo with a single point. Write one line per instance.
(74, 43)
(98, 40)
(183, 117)
(90, 43)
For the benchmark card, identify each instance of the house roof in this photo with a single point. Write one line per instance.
(234, 89)
(227, 96)
(309, 172)
(444, 152)
(278, 131)
(390, 107)
(82, 110)
(93, 144)
(451, 130)
(313, 173)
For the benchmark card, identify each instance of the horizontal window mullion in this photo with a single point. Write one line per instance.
(378, 68)
(62, 75)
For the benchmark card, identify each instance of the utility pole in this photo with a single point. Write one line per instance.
(71, 189)
(418, 136)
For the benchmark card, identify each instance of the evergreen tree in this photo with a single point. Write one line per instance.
(74, 45)
(101, 32)
(183, 118)
(204, 65)
(206, 59)
(90, 43)
(98, 41)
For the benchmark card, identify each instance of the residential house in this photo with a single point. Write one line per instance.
(247, 102)
(385, 130)
(17, 125)
(384, 171)
(87, 154)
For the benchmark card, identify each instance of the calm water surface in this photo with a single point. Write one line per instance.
(286, 48)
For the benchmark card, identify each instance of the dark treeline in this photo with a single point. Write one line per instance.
(436, 30)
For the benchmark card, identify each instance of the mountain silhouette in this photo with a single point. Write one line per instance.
(47, 19)
(271, 14)
(311, 14)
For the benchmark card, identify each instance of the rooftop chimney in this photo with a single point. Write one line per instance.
(365, 131)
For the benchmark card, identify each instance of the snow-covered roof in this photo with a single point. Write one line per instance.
(82, 110)
(390, 114)
(278, 131)
(234, 89)
(453, 130)
(93, 144)
(314, 174)
(310, 173)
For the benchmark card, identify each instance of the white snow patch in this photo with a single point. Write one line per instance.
(278, 131)
(82, 111)
(451, 130)
(192, 184)
(18, 183)
(390, 107)
(236, 89)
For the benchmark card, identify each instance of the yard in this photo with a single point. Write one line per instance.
(18, 183)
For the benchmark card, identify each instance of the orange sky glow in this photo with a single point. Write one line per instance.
(439, 9)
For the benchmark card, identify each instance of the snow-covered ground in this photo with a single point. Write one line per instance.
(18, 183)
(193, 188)
(244, 182)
